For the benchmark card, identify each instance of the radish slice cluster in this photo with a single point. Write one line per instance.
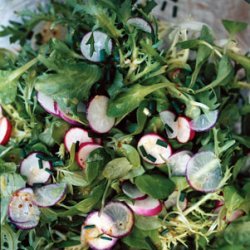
(146, 207)
(172, 201)
(34, 169)
(154, 149)
(204, 172)
(177, 127)
(92, 235)
(49, 195)
(97, 116)
(5, 130)
(84, 151)
(178, 162)
(74, 135)
(22, 211)
(102, 46)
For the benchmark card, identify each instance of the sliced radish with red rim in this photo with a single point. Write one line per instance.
(154, 149)
(204, 172)
(173, 198)
(117, 219)
(97, 116)
(21, 207)
(49, 195)
(74, 135)
(84, 150)
(66, 117)
(27, 225)
(205, 121)
(102, 43)
(132, 191)
(92, 235)
(5, 130)
(35, 169)
(146, 207)
(178, 162)
(48, 103)
(184, 131)
(168, 118)
(140, 23)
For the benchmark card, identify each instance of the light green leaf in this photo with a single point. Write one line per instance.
(147, 223)
(234, 27)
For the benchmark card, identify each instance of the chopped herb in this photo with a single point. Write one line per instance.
(161, 143)
(89, 226)
(40, 163)
(151, 158)
(164, 232)
(143, 151)
(168, 128)
(49, 171)
(105, 238)
(57, 164)
(182, 197)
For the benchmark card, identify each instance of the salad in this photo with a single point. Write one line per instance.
(118, 131)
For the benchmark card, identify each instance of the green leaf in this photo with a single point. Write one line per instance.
(238, 166)
(7, 167)
(127, 101)
(70, 82)
(96, 161)
(224, 75)
(9, 239)
(244, 140)
(132, 155)
(116, 85)
(147, 223)
(233, 199)
(48, 215)
(141, 118)
(238, 232)
(91, 42)
(234, 27)
(117, 168)
(157, 186)
(75, 178)
(136, 239)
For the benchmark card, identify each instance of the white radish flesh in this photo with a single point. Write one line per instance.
(48, 103)
(184, 131)
(74, 135)
(132, 191)
(35, 171)
(146, 207)
(154, 149)
(97, 115)
(21, 207)
(140, 23)
(168, 119)
(5, 130)
(84, 151)
(204, 172)
(178, 162)
(92, 235)
(49, 195)
(117, 219)
(101, 42)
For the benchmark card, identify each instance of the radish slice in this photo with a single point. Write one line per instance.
(92, 235)
(49, 195)
(132, 191)
(117, 219)
(101, 43)
(74, 135)
(172, 201)
(5, 130)
(184, 131)
(21, 207)
(27, 225)
(205, 121)
(140, 23)
(97, 115)
(147, 207)
(67, 118)
(35, 170)
(168, 118)
(48, 103)
(204, 172)
(154, 149)
(178, 162)
(84, 151)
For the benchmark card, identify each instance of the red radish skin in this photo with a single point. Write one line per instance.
(147, 207)
(91, 235)
(67, 118)
(132, 192)
(97, 117)
(84, 150)
(27, 225)
(48, 104)
(76, 134)
(161, 158)
(35, 175)
(5, 131)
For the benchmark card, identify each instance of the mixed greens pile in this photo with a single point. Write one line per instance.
(107, 109)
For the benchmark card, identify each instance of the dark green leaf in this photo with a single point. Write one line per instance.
(157, 186)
